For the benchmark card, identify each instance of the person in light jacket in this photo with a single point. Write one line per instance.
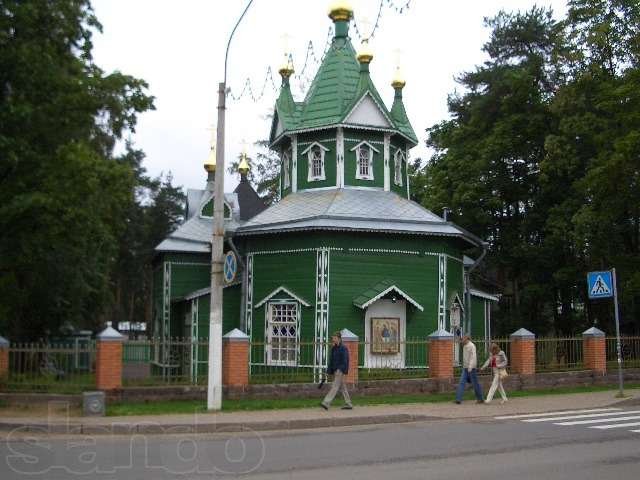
(338, 367)
(498, 363)
(469, 370)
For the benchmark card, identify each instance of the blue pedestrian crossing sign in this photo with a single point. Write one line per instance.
(600, 284)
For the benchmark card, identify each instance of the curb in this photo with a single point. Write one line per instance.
(152, 428)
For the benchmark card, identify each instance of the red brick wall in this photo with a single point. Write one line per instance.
(352, 347)
(108, 365)
(4, 363)
(441, 358)
(594, 351)
(235, 363)
(523, 356)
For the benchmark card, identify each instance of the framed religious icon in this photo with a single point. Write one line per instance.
(385, 335)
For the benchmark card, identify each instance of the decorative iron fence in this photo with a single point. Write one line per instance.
(630, 349)
(284, 361)
(59, 368)
(558, 354)
(405, 359)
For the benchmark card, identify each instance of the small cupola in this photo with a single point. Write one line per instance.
(210, 163)
(243, 167)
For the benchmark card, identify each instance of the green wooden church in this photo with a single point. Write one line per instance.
(344, 248)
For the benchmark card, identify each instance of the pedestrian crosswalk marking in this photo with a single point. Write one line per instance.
(548, 414)
(575, 417)
(612, 417)
(599, 420)
(617, 425)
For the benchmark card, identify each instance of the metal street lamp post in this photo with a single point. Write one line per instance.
(214, 386)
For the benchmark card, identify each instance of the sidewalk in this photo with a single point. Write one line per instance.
(308, 418)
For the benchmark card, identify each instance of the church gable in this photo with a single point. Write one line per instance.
(367, 112)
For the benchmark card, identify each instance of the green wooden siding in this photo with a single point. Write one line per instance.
(346, 240)
(186, 278)
(351, 274)
(296, 271)
(353, 138)
(231, 298)
(477, 317)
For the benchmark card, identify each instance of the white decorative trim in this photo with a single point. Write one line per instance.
(282, 288)
(295, 250)
(294, 163)
(346, 125)
(387, 143)
(398, 158)
(356, 140)
(442, 291)
(286, 169)
(382, 294)
(321, 331)
(485, 295)
(190, 263)
(406, 170)
(248, 301)
(383, 250)
(166, 311)
(340, 157)
(311, 145)
(325, 140)
(364, 142)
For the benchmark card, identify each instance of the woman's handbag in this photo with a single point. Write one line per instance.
(503, 373)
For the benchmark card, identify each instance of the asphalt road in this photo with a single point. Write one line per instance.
(441, 449)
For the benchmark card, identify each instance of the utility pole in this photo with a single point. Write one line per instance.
(214, 384)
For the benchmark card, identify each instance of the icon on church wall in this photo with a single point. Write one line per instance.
(385, 335)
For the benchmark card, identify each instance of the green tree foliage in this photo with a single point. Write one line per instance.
(64, 195)
(541, 158)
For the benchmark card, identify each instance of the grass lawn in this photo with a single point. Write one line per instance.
(192, 406)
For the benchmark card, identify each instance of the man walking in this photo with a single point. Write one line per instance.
(338, 367)
(469, 370)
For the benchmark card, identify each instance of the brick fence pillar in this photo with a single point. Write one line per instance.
(235, 359)
(594, 350)
(523, 352)
(440, 348)
(109, 359)
(351, 342)
(4, 359)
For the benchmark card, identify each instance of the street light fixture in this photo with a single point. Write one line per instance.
(214, 385)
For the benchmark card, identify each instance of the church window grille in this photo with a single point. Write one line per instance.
(398, 159)
(316, 163)
(282, 333)
(364, 162)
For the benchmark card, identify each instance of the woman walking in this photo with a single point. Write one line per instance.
(498, 363)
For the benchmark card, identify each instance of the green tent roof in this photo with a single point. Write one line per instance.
(378, 291)
(336, 89)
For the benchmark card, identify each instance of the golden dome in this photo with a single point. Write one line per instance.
(398, 79)
(286, 69)
(365, 54)
(210, 162)
(340, 10)
(244, 168)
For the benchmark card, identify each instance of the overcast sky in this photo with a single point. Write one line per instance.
(178, 48)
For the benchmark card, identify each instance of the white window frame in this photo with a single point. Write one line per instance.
(286, 163)
(310, 150)
(398, 158)
(269, 310)
(363, 146)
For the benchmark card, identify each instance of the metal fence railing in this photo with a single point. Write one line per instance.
(402, 359)
(285, 361)
(162, 361)
(59, 368)
(630, 350)
(558, 354)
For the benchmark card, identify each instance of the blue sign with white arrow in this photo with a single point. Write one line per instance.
(600, 284)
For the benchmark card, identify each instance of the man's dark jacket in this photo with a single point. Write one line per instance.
(339, 359)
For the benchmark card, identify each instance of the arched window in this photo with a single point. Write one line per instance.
(364, 160)
(315, 157)
(286, 178)
(398, 158)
